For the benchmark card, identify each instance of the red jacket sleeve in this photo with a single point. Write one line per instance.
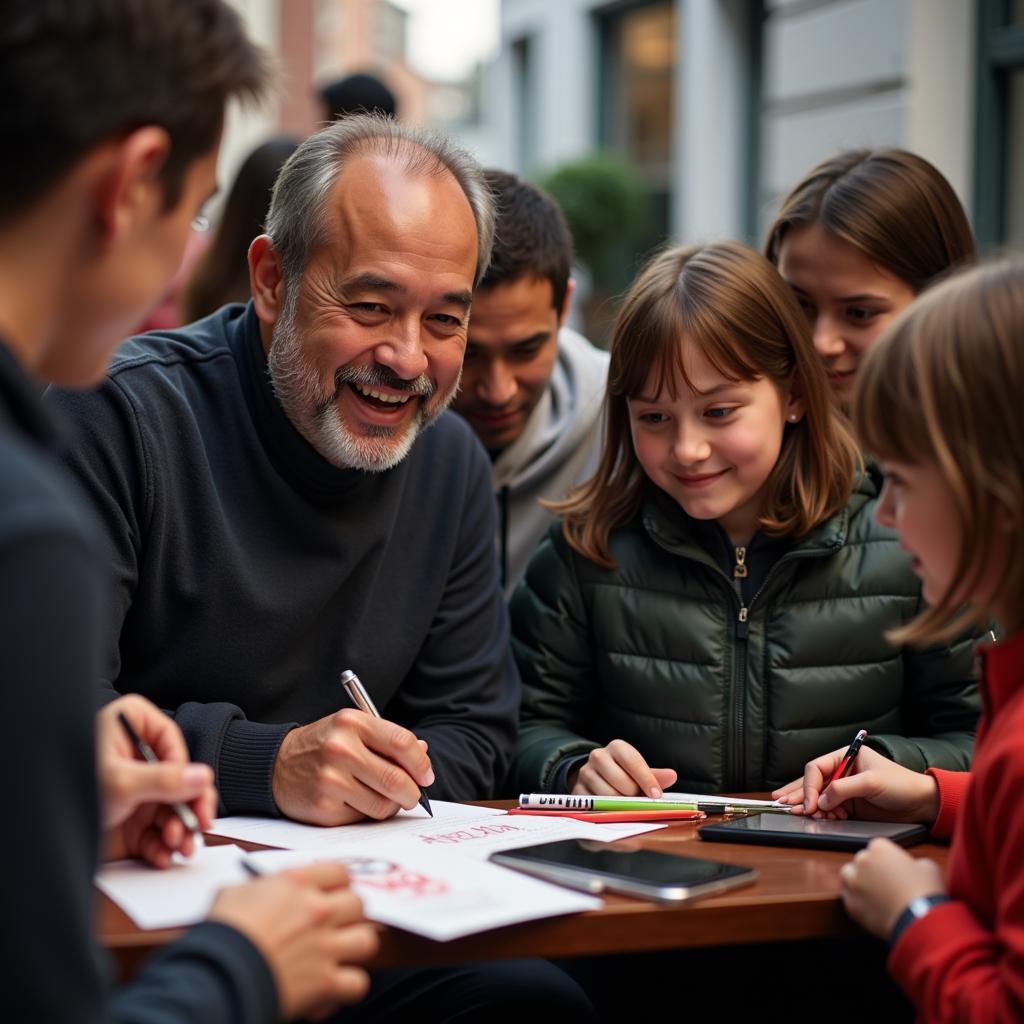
(952, 790)
(953, 964)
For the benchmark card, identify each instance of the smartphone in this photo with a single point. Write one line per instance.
(797, 830)
(595, 867)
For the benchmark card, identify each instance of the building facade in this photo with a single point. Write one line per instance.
(722, 105)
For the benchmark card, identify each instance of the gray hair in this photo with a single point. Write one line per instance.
(296, 221)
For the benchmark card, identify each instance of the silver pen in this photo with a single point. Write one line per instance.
(358, 695)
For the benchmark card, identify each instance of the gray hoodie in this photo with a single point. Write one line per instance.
(558, 448)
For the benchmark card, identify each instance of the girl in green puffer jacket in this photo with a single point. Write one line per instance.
(715, 601)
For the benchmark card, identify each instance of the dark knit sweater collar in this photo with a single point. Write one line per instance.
(292, 455)
(1002, 671)
(20, 403)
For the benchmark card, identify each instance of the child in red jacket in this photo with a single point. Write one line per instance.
(939, 404)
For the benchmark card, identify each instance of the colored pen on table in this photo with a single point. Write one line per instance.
(358, 695)
(543, 802)
(547, 802)
(183, 811)
(731, 809)
(848, 758)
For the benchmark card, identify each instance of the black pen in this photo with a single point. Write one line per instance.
(250, 869)
(183, 811)
(358, 695)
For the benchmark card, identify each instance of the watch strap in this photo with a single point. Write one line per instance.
(917, 908)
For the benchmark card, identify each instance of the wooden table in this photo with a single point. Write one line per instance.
(795, 897)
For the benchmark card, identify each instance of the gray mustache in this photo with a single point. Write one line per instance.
(381, 377)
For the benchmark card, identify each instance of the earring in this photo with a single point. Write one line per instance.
(792, 417)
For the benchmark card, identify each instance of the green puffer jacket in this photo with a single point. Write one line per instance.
(656, 653)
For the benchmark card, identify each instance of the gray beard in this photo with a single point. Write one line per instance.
(315, 414)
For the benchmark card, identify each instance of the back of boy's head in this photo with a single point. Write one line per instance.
(943, 386)
(730, 303)
(77, 73)
(892, 205)
(531, 236)
(360, 93)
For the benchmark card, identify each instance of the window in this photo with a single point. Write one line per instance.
(999, 166)
(638, 49)
(526, 104)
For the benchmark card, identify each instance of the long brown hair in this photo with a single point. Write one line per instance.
(943, 385)
(731, 303)
(894, 206)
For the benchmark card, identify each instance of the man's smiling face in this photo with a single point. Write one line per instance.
(513, 344)
(368, 350)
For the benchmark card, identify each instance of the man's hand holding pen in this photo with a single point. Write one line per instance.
(349, 766)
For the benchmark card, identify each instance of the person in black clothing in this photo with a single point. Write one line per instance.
(110, 127)
(278, 512)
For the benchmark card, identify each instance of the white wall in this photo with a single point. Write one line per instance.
(246, 127)
(710, 145)
(564, 49)
(841, 74)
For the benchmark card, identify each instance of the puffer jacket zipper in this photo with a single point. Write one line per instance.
(736, 775)
(738, 696)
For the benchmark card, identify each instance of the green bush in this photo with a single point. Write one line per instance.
(605, 202)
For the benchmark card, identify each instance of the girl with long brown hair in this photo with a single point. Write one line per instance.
(939, 404)
(857, 239)
(716, 600)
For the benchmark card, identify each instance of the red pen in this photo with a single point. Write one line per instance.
(601, 817)
(848, 758)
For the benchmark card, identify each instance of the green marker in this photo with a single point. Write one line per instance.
(545, 802)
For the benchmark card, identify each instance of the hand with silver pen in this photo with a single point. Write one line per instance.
(349, 766)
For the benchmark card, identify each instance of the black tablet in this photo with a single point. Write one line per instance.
(797, 830)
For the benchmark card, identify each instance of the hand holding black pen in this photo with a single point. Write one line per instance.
(155, 806)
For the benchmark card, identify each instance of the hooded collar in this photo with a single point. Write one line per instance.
(563, 418)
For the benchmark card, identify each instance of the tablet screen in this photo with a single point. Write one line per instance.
(797, 830)
(799, 825)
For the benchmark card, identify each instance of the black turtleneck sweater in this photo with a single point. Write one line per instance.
(250, 572)
(53, 610)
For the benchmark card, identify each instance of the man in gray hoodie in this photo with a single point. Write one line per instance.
(532, 388)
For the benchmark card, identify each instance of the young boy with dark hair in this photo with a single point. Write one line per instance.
(110, 129)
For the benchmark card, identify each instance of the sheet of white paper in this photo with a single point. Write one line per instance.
(179, 895)
(474, 831)
(432, 894)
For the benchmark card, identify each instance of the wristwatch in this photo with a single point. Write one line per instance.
(915, 909)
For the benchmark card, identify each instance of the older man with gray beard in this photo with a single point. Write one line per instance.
(277, 511)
